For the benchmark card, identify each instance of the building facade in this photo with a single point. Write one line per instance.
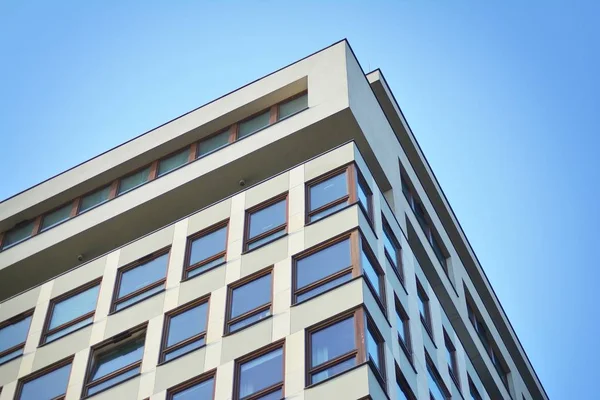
(287, 240)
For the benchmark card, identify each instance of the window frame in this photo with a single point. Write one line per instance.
(397, 265)
(237, 371)
(280, 228)
(190, 149)
(34, 224)
(11, 321)
(164, 350)
(432, 370)
(273, 112)
(152, 170)
(405, 345)
(231, 138)
(44, 371)
(287, 100)
(39, 225)
(381, 297)
(46, 331)
(425, 319)
(229, 321)
(112, 193)
(453, 366)
(187, 267)
(175, 390)
(144, 260)
(350, 198)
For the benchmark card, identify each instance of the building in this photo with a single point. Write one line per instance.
(287, 239)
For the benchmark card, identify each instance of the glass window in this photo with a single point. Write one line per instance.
(293, 106)
(327, 196)
(439, 253)
(198, 391)
(335, 342)
(364, 194)
(17, 234)
(403, 391)
(262, 376)
(451, 357)
(49, 386)
(94, 199)
(249, 302)
(185, 330)
(206, 250)
(266, 223)
(140, 281)
(437, 390)
(134, 180)
(173, 161)
(115, 363)
(473, 391)
(372, 273)
(213, 143)
(373, 347)
(499, 367)
(424, 307)
(403, 329)
(254, 124)
(392, 250)
(13, 335)
(55, 217)
(67, 314)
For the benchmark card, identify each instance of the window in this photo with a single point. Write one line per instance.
(49, 384)
(13, 334)
(184, 330)
(373, 273)
(334, 191)
(134, 180)
(71, 311)
(254, 124)
(293, 106)
(17, 234)
(437, 389)
(499, 365)
(403, 329)
(393, 252)
(118, 360)
(403, 391)
(473, 391)
(374, 348)
(451, 358)
(266, 222)
(199, 388)
(260, 375)
(249, 301)
(424, 310)
(206, 250)
(213, 143)
(173, 161)
(94, 199)
(140, 280)
(55, 217)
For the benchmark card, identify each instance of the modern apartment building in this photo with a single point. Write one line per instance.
(287, 240)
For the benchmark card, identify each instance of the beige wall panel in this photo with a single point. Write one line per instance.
(224, 381)
(146, 245)
(294, 363)
(177, 254)
(208, 217)
(265, 256)
(216, 315)
(351, 386)
(179, 370)
(327, 162)
(146, 385)
(268, 189)
(247, 340)
(152, 343)
(233, 271)
(281, 325)
(78, 370)
(134, 315)
(297, 176)
(331, 226)
(62, 348)
(107, 286)
(125, 390)
(8, 391)
(213, 355)
(201, 285)
(9, 371)
(79, 276)
(20, 303)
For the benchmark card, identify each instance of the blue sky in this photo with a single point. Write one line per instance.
(503, 97)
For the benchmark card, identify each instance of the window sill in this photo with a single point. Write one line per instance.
(137, 302)
(265, 244)
(227, 334)
(297, 303)
(312, 385)
(180, 355)
(67, 335)
(309, 223)
(189, 278)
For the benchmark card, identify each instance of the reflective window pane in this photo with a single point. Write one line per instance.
(390, 245)
(74, 307)
(208, 245)
(122, 356)
(261, 373)
(333, 341)
(187, 324)
(363, 195)
(370, 272)
(336, 369)
(196, 344)
(213, 143)
(114, 381)
(266, 239)
(323, 263)
(293, 106)
(265, 219)
(143, 275)
(48, 386)
(139, 297)
(435, 389)
(71, 328)
(201, 391)
(174, 161)
(94, 199)
(18, 233)
(134, 180)
(373, 348)
(326, 286)
(56, 216)
(251, 295)
(329, 190)
(252, 125)
(14, 334)
(327, 211)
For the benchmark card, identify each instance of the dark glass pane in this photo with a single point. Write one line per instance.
(435, 389)
(363, 195)
(124, 355)
(208, 245)
(143, 275)
(267, 239)
(323, 263)
(333, 341)
(114, 381)
(423, 304)
(438, 252)
(249, 320)
(187, 324)
(71, 328)
(184, 350)
(390, 246)
(277, 395)
(267, 218)
(139, 297)
(74, 307)
(16, 234)
(48, 386)
(134, 180)
(370, 272)
(94, 199)
(11, 356)
(327, 191)
(213, 143)
(260, 373)
(170, 163)
(251, 295)
(201, 391)
(372, 348)
(206, 267)
(336, 369)
(56, 217)
(252, 125)
(293, 106)
(328, 211)
(400, 327)
(405, 188)
(322, 288)
(400, 394)
(421, 217)
(14, 334)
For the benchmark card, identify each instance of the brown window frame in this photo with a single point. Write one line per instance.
(46, 331)
(237, 374)
(111, 195)
(425, 319)
(188, 250)
(397, 265)
(3, 235)
(44, 371)
(11, 321)
(403, 385)
(38, 228)
(229, 321)
(453, 366)
(175, 390)
(97, 350)
(405, 345)
(144, 260)
(294, 97)
(151, 175)
(280, 228)
(164, 350)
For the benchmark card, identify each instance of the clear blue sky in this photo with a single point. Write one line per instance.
(502, 95)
